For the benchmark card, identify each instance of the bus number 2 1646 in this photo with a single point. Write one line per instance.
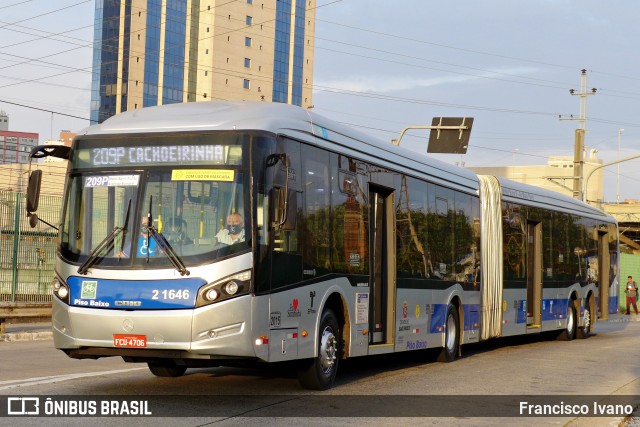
(170, 294)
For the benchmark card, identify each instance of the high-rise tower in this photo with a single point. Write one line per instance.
(155, 52)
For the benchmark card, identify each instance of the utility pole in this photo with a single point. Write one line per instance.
(618, 175)
(578, 155)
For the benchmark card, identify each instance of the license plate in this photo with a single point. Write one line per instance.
(129, 341)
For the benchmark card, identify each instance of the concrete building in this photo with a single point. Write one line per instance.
(557, 175)
(66, 138)
(15, 146)
(4, 121)
(155, 52)
(15, 177)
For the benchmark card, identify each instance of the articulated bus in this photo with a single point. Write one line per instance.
(217, 233)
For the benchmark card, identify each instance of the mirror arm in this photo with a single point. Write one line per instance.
(50, 225)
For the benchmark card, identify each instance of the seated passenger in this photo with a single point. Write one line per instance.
(233, 232)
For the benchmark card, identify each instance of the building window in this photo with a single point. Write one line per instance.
(247, 63)
(249, 1)
(249, 20)
(247, 41)
(246, 84)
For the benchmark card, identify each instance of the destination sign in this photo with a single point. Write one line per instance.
(158, 155)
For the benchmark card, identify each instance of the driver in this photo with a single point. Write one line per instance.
(234, 230)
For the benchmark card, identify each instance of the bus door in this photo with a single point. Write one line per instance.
(604, 279)
(382, 272)
(534, 275)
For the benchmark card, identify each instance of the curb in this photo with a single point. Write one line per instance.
(26, 336)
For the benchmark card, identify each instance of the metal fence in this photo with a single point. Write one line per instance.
(27, 254)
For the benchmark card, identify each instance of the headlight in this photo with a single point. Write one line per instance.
(211, 295)
(60, 289)
(229, 287)
(63, 293)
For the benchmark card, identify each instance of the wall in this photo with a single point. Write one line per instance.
(629, 266)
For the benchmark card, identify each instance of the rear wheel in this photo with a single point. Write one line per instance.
(569, 331)
(319, 373)
(451, 336)
(166, 369)
(585, 330)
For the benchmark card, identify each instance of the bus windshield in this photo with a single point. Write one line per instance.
(192, 193)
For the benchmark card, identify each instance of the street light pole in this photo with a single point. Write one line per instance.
(586, 181)
(618, 176)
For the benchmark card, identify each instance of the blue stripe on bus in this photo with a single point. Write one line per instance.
(552, 309)
(133, 294)
(471, 317)
(438, 318)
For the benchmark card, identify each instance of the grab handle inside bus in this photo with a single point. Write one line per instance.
(284, 202)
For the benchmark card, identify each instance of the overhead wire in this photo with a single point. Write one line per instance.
(366, 94)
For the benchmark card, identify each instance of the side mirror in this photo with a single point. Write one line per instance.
(33, 191)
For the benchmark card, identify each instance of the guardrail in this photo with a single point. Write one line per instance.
(23, 311)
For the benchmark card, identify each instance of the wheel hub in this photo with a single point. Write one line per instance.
(450, 334)
(587, 319)
(328, 349)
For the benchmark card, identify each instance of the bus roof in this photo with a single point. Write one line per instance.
(279, 118)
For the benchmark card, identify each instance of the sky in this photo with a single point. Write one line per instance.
(383, 65)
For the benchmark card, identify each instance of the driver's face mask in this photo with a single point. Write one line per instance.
(234, 228)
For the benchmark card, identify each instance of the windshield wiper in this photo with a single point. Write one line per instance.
(107, 243)
(125, 229)
(164, 245)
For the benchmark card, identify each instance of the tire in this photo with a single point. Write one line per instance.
(163, 369)
(451, 347)
(319, 373)
(569, 331)
(586, 329)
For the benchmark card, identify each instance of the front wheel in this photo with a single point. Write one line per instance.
(163, 369)
(569, 331)
(319, 373)
(451, 336)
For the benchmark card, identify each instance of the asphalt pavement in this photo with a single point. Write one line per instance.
(42, 331)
